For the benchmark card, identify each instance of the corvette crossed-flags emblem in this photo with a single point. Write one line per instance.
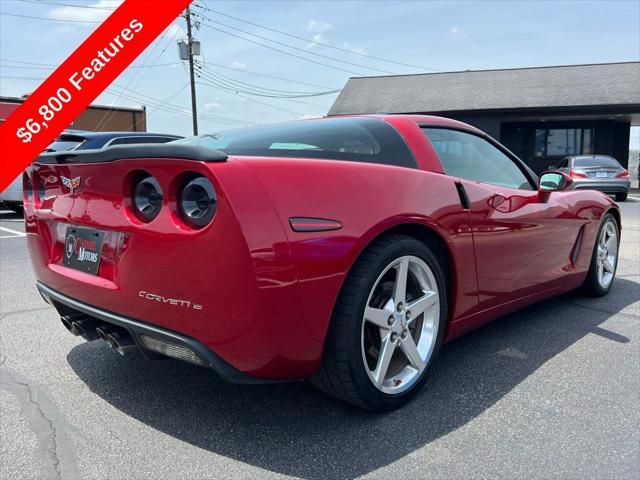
(71, 183)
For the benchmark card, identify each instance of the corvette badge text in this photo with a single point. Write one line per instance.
(170, 301)
(62, 95)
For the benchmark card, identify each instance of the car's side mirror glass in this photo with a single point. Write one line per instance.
(553, 182)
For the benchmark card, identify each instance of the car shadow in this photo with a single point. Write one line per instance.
(292, 429)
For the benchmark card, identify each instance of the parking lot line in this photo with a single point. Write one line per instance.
(14, 233)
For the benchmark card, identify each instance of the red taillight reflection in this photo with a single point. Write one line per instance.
(574, 174)
(27, 189)
(623, 174)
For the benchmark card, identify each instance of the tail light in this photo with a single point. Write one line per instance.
(575, 174)
(198, 202)
(147, 199)
(623, 174)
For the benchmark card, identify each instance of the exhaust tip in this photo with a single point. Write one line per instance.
(66, 321)
(86, 328)
(119, 339)
(104, 330)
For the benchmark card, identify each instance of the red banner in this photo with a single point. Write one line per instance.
(80, 79)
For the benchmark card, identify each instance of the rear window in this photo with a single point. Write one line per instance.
(65, 142)
(351, 139)
(596, 162)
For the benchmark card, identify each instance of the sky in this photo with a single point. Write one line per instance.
(336, 40)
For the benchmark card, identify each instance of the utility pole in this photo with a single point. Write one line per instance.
(194, 112)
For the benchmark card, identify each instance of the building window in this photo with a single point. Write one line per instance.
(558, 142)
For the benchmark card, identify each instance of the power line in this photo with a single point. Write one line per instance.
(286, 93)
(167, 100)
(11, 77)
(110, 113)
(204, 82)
(55, 66)
(154, 102)
(320, 44)
(274, 90)
(172, 108)
(47, 2)
(146, 72)
(46, 18)
(180, 112)
(143, 98)
(277, 42)
(235, 69)
(254, 90)
(249, 72)
(281, 51)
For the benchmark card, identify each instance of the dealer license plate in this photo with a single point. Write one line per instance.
(82, 249)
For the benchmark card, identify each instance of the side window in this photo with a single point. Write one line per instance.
(117, 141)
(471, 157)
(563, 163)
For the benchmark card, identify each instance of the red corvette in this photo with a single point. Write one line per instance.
(342, 250)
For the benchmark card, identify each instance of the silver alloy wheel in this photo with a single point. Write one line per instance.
(400, 324)
(607, 253)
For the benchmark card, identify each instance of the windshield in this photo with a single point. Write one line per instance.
(596, 162)
(359, 139)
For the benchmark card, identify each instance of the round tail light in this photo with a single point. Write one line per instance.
(147, 199)
(198, 202)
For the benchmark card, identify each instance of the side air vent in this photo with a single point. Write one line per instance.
(464, 199)
(306, 224)
(577, 246)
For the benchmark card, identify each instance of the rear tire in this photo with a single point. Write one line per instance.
(377, 354)
(604, 258)
(621, 196)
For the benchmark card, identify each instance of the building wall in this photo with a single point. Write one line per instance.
(99, 119)
(610, 138)
(95, 118)
(488, 124)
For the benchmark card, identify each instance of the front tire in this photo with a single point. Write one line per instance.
(387, 326)
(604, 259)
(621, 196)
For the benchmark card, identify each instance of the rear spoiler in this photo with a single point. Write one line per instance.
(121, 152)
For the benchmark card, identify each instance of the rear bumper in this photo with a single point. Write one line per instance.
(66, 305)
(608, 186)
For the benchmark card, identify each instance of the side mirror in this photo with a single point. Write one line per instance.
(554, 182)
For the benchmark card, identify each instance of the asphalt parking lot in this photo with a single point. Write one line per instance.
(551, 391)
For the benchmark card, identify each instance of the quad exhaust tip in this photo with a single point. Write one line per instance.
(86, 328)
(117, 338)
(91, 329)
